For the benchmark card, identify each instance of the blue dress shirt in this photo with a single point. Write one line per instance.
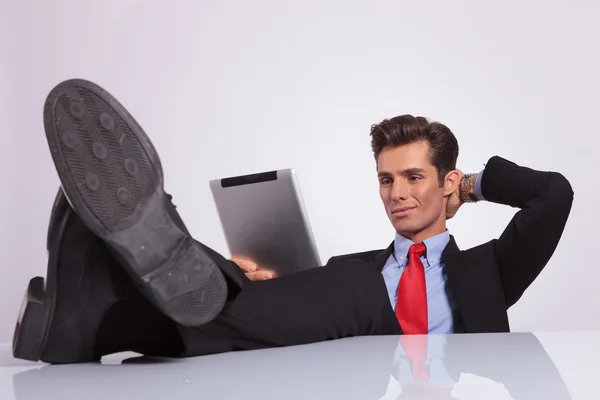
(440, 306)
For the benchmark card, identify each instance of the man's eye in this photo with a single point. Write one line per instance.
(414, 178)
(385, 181)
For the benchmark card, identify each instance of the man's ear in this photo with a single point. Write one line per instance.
(452, 181)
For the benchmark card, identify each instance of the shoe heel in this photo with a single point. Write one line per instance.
(29, 335)
(191, 289)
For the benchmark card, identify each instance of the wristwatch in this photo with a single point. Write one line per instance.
(465, 190)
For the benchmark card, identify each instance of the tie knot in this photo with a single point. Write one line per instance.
(417, 248)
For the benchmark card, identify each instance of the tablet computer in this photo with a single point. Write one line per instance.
(264, 219)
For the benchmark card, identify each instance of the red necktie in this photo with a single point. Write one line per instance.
(411, 306)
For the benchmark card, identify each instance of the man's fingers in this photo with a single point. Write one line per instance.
(252, 270)
(259, 275)
(245, 265)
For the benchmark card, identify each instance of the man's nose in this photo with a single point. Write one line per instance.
(399, 191)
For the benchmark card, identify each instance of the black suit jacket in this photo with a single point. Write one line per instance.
(487, 280)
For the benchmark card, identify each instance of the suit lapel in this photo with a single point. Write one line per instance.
(451, 249)
(469, 278)
(456, 268)
(378, 262)
(381, 258)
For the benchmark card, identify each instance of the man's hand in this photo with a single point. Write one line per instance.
(253, 271)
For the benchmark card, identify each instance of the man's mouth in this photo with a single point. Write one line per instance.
(399, 212)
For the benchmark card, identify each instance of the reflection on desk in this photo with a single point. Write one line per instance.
(429, 366)
(384, 367)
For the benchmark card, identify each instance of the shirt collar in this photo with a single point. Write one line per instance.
(435, 246)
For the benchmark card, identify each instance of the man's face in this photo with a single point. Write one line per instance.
(410, 191)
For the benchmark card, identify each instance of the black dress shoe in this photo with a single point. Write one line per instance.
(113, 179)
(60, 316)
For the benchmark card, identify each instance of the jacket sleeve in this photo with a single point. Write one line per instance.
(527, 243)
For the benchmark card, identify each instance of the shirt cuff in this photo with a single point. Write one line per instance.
(478, 192)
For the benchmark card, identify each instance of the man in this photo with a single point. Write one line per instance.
(125, 274)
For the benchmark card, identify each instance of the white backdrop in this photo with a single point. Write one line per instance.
(235, 87)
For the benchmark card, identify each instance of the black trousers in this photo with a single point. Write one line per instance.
(331, 302)
(319, 304)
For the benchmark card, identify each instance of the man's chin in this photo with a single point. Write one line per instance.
(407, 231)
(418, 233)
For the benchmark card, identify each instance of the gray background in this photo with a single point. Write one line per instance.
(233, 87)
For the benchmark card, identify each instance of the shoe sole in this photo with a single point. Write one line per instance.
(112, 176)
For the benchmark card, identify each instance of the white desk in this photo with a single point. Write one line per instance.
(540, 366)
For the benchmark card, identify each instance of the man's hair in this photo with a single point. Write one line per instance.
(407, 129)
